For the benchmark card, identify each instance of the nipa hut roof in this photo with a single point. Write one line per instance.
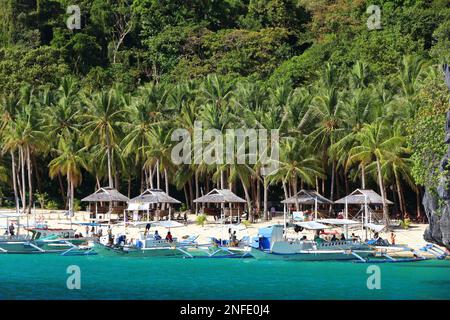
(359, 196)
(307, 197)
(106, 194)
(154, 196)
(220, 196)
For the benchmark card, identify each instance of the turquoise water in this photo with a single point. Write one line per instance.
(44, 277)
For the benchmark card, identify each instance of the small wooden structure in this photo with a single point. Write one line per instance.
(308, 197)
(363, 197)
(115, 200)
(146, 199)
(223, 196)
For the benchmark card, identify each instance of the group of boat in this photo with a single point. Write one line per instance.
(276, 241)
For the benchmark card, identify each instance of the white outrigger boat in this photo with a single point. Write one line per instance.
(42, 240)
(273, 244)
(146, 244)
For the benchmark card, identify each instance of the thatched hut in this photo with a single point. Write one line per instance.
(363, 196)
(222, 196)
(144, 202)
(307, 197)
(114, 199)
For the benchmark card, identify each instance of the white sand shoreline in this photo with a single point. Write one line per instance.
(412, 237)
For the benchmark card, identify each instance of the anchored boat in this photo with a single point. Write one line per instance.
(146, 244)
(272, 244)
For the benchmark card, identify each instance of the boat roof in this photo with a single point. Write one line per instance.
(166, 224)
(79, 223)
(338, 222)
(307, 197)
(375, 227)
(312, 225)
(220, 196)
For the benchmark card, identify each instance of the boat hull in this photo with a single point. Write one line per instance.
(308, 256)
(135, 252)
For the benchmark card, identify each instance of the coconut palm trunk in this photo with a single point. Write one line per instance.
(363, 176)
(294, 187)
(197, 191)
(30, 180)
(333, 178)
(13, 167)
(383, 194)
(266, 192)
(22, 171)
(108, 151)
(247, 197)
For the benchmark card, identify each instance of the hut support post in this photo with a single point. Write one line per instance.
(284, 221)
(315, 208)
(365, 213)
(346, 217)
(231, 213)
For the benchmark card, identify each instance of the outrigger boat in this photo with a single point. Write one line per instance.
(146, 244)
(43, 240)
(272, 243)
(218, 248)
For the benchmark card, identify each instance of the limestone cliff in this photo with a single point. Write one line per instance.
(437, 204)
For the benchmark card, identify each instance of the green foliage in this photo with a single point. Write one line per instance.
(246, 223)
(42, 198)
(201, 220)
(52, 205)
(76, 205)
(426, 131)
(40, 67)
(234, 52)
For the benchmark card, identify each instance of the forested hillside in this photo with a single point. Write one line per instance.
(356, 106)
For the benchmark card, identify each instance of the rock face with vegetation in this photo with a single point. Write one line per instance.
(438, 215)
(437, 204)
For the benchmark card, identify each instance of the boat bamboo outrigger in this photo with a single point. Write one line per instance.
(147, 244)
(42, 239)
(273, 243)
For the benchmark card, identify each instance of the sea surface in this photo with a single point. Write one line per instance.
(45, 276)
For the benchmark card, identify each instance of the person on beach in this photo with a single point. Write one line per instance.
(234, 239)
(169, 237)
(110, 237)
(147, 229)
(393, 236)
(11, 230)
(87, 231)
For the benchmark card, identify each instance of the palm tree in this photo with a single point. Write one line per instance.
(103, 114)
(69, 162)
(297, 162)
(328, 108)
(376, 142)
